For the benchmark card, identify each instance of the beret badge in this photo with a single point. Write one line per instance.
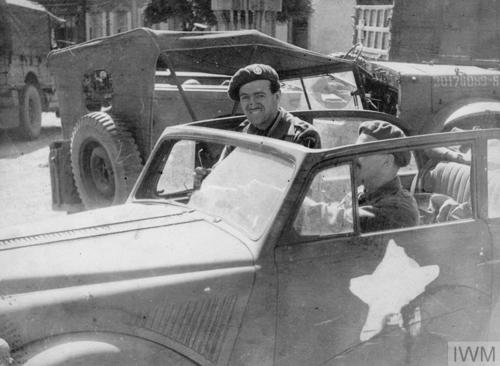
(257, 70)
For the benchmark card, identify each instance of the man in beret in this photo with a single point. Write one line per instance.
(257, 88)
(383, 204)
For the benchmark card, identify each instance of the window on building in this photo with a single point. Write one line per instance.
(300, 33)
(66, 34)
(140, 17)
(107, 23)
(121, 21)
(95, 25)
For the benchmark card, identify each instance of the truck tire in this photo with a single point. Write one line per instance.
(105, 160)
(30, 113)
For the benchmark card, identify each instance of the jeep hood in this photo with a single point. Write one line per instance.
(406, 68)
(116, 243)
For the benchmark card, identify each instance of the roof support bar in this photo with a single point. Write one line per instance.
(305, 93)
(179, 86)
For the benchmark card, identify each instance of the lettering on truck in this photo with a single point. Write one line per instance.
(466, 81)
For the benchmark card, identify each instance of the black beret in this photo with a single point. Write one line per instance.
(251, 73)
(382, 130)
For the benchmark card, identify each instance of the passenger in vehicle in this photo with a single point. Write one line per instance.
(384, 203)
(257, 88)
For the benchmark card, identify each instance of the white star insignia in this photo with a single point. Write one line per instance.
(396, 281)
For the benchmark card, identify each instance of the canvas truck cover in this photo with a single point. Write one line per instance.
(23, 28)
(133, 57)
(26, 87)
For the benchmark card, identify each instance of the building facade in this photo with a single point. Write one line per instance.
(89, 19)
(108, 17)
(329, 28)
(247, 14)
(73, 12)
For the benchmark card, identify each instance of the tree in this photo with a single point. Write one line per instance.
(299, 10)
(189, 11)
(199, 11)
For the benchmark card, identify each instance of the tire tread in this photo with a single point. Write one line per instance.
(128, 158)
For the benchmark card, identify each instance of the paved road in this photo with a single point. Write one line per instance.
(25, 193)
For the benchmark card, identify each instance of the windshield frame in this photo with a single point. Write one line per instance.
(316, 89)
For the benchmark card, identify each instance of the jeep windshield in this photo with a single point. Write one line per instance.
(207, 93)
(326, 91)
(240, 186)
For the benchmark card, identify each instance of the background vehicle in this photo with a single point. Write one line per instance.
(112, 111)
(112, 114)
(433, 98)
(236, 274)
(432, 63)
(26, 87)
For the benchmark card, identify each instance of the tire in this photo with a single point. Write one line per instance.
(30, 113)
(105, 160)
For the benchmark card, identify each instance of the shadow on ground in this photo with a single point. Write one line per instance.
(13, 146)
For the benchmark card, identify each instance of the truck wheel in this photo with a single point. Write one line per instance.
(30, 113)
(105, 160)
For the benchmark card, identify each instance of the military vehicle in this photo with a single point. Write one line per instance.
(433, 98)
(115, 99)
(122, 91)
(26, 87)
(239, 272)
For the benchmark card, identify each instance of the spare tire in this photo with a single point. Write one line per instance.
(30, 113)
(105, 160)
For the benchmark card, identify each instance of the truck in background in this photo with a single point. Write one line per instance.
(458, 32)
(26, 86)
(432, 63)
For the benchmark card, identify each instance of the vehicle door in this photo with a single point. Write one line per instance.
(492, 212)
(395, 296)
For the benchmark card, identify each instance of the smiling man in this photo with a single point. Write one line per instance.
(257, 88)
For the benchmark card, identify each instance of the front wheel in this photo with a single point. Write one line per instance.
(30, 113)
(105, 160)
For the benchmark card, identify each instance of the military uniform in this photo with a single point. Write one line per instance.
(388, 207)
(286, 127)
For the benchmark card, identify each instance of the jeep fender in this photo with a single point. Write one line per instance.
(466, 114)
(98, 349)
